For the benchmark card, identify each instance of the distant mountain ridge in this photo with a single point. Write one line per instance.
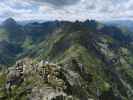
(122, 24)
(25, 36)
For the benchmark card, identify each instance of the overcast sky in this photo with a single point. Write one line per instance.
(66, 9)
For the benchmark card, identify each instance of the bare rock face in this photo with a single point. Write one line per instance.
(60, 83)
(49, 81)
(15, 76)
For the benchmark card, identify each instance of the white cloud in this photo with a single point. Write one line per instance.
(72, 10)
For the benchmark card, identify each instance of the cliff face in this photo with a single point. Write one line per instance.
(74, 61)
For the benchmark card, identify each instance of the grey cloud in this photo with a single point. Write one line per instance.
(58, 3)
(66, 9)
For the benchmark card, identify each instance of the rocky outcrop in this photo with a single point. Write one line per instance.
(48, 81)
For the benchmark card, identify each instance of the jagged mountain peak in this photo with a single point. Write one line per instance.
(9, 21)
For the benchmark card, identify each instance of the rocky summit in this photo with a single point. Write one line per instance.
(62, 60)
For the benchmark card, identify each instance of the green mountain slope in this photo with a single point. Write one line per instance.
(94, 62)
